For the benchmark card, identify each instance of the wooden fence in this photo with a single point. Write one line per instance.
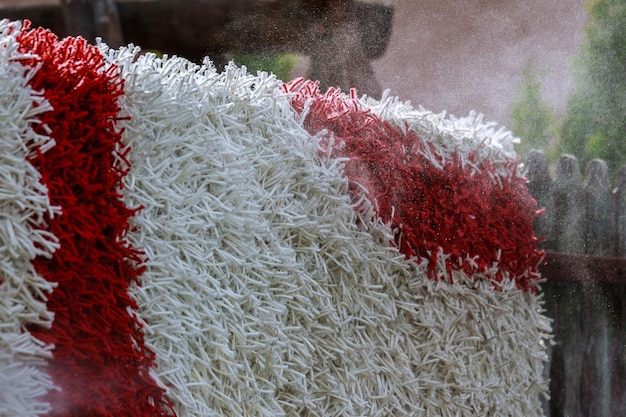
(584, 226)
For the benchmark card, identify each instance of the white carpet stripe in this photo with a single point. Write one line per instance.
(23, 203)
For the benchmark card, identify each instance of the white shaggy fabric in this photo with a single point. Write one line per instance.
(449, 134)
(267, 295)
(23, 203)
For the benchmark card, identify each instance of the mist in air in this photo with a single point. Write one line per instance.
(459, 55)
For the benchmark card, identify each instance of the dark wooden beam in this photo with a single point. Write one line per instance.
(583, 268)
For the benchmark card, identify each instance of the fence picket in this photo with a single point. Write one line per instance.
(568, 206)
(620, 208)
(618, 345)
(599, 232)
(541, 187)
(600, 213)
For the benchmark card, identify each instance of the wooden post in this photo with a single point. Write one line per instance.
(598, 241)
(568, 233)
(620, 211)
(541, 187)
(618, 346)
(93, 18)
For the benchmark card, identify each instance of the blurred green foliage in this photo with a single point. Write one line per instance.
(533, 120)
(280, 65)
(594, 125)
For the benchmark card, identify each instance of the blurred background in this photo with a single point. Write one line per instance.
(454, 56)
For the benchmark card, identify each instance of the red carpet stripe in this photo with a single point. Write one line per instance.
(100, 363)
(457, 206)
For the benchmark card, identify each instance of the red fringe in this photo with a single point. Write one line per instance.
(100, 361)
(450, 209)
